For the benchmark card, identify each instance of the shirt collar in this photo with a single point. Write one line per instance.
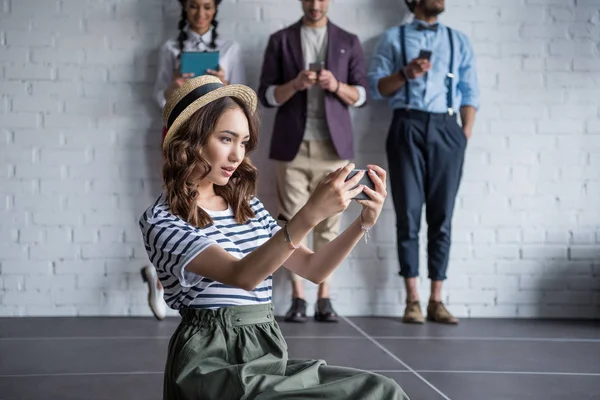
(416, 22)
(195, 37)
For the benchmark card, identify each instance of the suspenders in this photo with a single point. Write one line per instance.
(449, 75)
(405, 63)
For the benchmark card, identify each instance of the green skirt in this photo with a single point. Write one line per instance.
(239, 352)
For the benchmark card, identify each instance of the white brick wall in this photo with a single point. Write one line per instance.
(80, 137)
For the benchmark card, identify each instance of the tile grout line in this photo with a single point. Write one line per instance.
(81, 374)
(492, 338)
(433, 371)
(466, 338)
(405, 365)
(404, 371)
(16, 339)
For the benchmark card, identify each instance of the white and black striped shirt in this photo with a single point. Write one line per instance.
(171, 243)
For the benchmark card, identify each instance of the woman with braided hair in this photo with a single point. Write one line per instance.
(197, 32)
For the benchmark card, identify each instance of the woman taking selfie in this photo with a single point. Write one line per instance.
(197, 32)
(215, 248)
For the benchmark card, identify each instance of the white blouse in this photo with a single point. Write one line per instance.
(230, 59)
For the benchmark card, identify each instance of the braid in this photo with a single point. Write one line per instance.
(215, 24)
(182, 34)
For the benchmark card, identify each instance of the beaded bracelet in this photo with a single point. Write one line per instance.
(337, 88)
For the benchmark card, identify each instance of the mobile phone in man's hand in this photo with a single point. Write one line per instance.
(425, 54)
(316, 66)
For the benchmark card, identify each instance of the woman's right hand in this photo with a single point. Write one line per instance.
(333, 194)
(178, 80)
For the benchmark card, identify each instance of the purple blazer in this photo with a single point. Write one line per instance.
(283, 61)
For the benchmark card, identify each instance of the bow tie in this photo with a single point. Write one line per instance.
(433, 27)
(198, 41)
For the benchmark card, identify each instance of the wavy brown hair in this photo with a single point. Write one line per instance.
(183, 156)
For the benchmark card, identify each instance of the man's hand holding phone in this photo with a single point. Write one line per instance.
(418, 66)
(304, 80)
(327, 81)
(425, 55)
(316, 66)
(325, 78)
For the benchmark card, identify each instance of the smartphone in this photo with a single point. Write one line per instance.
(365, 180)
(316, 66)
(425, 54)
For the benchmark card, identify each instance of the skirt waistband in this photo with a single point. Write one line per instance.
(230, 316)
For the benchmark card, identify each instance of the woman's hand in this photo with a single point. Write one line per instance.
(178, 80)
(219, 74)
(333, 194)
(372, 208)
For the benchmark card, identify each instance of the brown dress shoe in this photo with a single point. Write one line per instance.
(412, 313)
(324, 311)
(297, 312)
(437, 312)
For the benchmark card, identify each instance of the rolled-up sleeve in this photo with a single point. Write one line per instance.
(270, 96)
(362, 97)
(382, 62)
(468, 84)
(357, 72)
(270, 74)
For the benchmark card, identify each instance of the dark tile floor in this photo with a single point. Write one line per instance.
(481, 359)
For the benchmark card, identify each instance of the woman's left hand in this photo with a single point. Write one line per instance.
(372, 208)
(219, 74)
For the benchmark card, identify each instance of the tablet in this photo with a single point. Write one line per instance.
(197, 62)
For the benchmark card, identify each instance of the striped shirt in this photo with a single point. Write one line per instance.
(171, 243)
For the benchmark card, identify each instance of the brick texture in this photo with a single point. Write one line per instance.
(80, 156)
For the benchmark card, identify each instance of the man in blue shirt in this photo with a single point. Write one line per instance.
(427, 73)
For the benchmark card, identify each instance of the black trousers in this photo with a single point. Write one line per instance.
(425, 155)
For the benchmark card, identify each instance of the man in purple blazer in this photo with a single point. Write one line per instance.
(313, 71)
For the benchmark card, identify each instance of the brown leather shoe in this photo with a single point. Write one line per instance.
(297, 312)
(412, 313)
(437, 312)
(324, 311)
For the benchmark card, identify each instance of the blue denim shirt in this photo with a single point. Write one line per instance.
(428, 92)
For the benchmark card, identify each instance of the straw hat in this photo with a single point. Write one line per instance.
(196, 93)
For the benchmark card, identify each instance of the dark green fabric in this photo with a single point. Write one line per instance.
(239, 353)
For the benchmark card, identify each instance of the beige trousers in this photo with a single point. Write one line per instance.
(297, 179)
